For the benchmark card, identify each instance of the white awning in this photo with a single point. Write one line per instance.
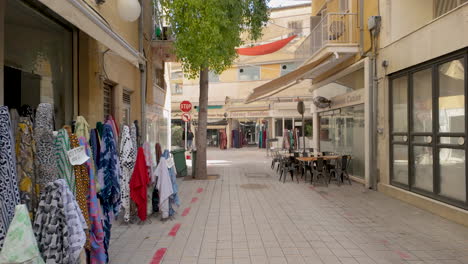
(87, 20)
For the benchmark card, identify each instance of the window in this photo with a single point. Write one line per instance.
(176, 75)
(126, 102)
(288, 67)
(296, 27)
(213, 77)
(176, 88)
(108, 94)
(344, 6)
(249, 73)
(443, 6)
(428, 129)
(158, 78)
(308, 127)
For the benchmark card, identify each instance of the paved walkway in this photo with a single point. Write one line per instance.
(248, 216)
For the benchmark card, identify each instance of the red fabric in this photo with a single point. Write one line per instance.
(139, 183)
(266, 48)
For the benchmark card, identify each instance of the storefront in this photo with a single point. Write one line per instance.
(38, 60)
(428, 129)
(248, 128)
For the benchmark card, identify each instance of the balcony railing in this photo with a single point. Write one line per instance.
(334, 28)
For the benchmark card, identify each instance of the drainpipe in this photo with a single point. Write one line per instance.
(361, 27)
(142, 74)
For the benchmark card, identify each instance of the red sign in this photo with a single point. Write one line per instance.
(186, 117)
(185, 106)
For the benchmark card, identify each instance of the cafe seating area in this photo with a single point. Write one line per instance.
(317, 168)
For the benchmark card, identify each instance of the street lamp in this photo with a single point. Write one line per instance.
(129, 10)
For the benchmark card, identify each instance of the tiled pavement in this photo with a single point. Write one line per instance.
(248, 216)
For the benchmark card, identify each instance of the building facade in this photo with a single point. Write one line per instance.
(79, 55)
(422, 87)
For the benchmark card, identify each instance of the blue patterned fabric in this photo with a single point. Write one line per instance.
(110, 191)
(174, 198)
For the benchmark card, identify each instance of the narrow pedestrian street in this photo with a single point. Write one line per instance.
(248, 216)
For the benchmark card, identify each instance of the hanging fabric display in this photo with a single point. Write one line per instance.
(127, 164)
(25, 163)
(14, 120)
(95, 145)
(65, 169)
(59, 224)
(150, 157)
(164, 186)
(8, 181)
(96, 232)
(138, 184)
(81, 128)
(174, 198)
(82, 187)
(108, 171)
(20, 243)
(134, 135)
(99, 128)
(45, 158)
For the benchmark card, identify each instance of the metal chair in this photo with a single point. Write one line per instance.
(276, 158)
(319, 171)
(340, 172)
(288, 165)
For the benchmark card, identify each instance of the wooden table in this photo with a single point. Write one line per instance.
(307, 159)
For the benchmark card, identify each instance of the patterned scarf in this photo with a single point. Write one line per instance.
(95, 145)
(82, 187)
(65, 169)
(25, 163)
(127, 163)
(98, 253)
(20, 244)
(81, 128)
(9, 194)
(46, 166)
(109, 171)
(134, 136)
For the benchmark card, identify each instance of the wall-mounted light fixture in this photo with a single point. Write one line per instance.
(100, 2)
(129, 10)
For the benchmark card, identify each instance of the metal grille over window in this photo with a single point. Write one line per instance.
(443, 6)
(107, 98)
(296, 27)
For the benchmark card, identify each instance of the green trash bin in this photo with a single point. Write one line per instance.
(194, 162)
(180, 163)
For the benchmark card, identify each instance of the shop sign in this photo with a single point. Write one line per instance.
(249, 114)
(352, 98)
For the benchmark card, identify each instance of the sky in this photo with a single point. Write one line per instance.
(278, 3)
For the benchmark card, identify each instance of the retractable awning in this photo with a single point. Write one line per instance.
(279, 84)
(87, 20)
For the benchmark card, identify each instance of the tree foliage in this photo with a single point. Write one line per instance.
(208, 31)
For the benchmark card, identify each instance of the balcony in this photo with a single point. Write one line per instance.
(335, 33)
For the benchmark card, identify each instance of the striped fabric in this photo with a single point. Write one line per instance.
(65, 169)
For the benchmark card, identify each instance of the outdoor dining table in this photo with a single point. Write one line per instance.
(308, 159)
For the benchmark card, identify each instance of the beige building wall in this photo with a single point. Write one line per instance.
(403, 45)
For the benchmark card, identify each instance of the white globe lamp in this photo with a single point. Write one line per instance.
(129, 10)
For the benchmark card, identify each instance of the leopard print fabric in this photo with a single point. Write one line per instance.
(9, 194)
(45, 163)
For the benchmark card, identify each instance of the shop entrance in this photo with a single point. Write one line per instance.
(250, 132)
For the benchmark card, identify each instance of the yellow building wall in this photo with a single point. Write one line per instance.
(229, 75)
(270, 71)
(109, 11)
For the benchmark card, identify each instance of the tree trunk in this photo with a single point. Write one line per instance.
(201, 164)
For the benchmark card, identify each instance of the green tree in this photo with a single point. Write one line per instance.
(207, 33)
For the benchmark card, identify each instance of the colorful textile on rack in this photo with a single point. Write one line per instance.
(164, 186)
(81, 128)
(174, 198)
(150, 157)
(65, 169)
(14, 120)
(127, 163)
(99, 128)
(9, 193)
(25, 163)
(59, 224)
(108, 170)
(45, 157)
(27, 111)
(158, 153)
(96, 232)
(139, 183)
(20, 243)
(95, 145)
(82, 187)
(110, 121)
(286, 144)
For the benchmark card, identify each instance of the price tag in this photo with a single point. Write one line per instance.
(77, 156)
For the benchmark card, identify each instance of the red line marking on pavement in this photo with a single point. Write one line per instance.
(158, 256)
(403, 255)
(199, 190)
(174, 230)
(194, 199)
(348, 214)
(186, 211)
(312, 188)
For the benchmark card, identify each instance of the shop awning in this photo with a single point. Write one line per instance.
(87, 20)
(279, 84)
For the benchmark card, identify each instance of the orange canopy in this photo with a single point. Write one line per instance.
(266, 48)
